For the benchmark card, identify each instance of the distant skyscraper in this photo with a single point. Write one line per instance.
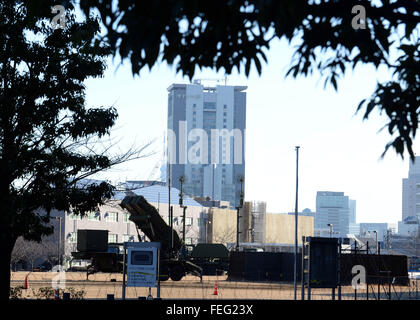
(352, 208)
(411, 200)
(332, 208)
(411, 191)
(206, 135)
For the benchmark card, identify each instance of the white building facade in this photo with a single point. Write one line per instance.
(410, 200)
(206, 140)
(115, 220)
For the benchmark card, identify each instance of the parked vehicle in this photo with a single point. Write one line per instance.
(213, 258)
(92, 245)
(173, 264)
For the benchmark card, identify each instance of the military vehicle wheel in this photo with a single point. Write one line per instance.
(220, 272)
(177, 272)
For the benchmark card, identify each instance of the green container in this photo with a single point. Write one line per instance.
(92, 240)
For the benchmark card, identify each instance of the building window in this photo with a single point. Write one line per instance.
(188, 221)
(127, 238)
(111, 217)
(94, 216)
(224, 106)
(126, 217)
(72, 237)
(175, 221)
(112, 238)
(73, 216)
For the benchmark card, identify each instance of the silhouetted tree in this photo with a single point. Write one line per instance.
(18, 253)
(41, 98)
(49, 139)
(235, 34)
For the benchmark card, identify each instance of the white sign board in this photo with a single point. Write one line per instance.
(142, 267)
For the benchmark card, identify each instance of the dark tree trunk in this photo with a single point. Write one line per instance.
(7, 242)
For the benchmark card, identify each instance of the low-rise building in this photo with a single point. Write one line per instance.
(280, 228)
(409, 226)
(115, 219)
(369, 230)
(354, 228)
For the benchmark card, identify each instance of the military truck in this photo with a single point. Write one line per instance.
(173, 264)
(213, 258)
(93, 246)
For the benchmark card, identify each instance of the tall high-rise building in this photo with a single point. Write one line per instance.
(352, 208)
(206, 140)
(333, 208)
(411, 200)
(411, 191)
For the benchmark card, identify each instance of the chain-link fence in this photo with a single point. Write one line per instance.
(106, 285)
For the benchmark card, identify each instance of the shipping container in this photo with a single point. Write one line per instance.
(92, 240)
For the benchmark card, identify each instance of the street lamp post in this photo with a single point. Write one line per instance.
(238, 208)
(208, 223)
(376, 240)
(296, 223)
(331, 229)
(59, 241)
(184, 208)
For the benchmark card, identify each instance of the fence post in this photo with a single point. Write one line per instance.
(389, 285)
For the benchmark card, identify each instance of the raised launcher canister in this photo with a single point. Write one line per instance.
(149, 221)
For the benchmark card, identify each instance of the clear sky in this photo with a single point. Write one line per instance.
(339, 151)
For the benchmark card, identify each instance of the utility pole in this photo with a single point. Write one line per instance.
(59, 241)
(169, 202)
(331, 229)
(377, 244)
(238, 208)
(296, 223)
(212, 185)
(184, 208)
